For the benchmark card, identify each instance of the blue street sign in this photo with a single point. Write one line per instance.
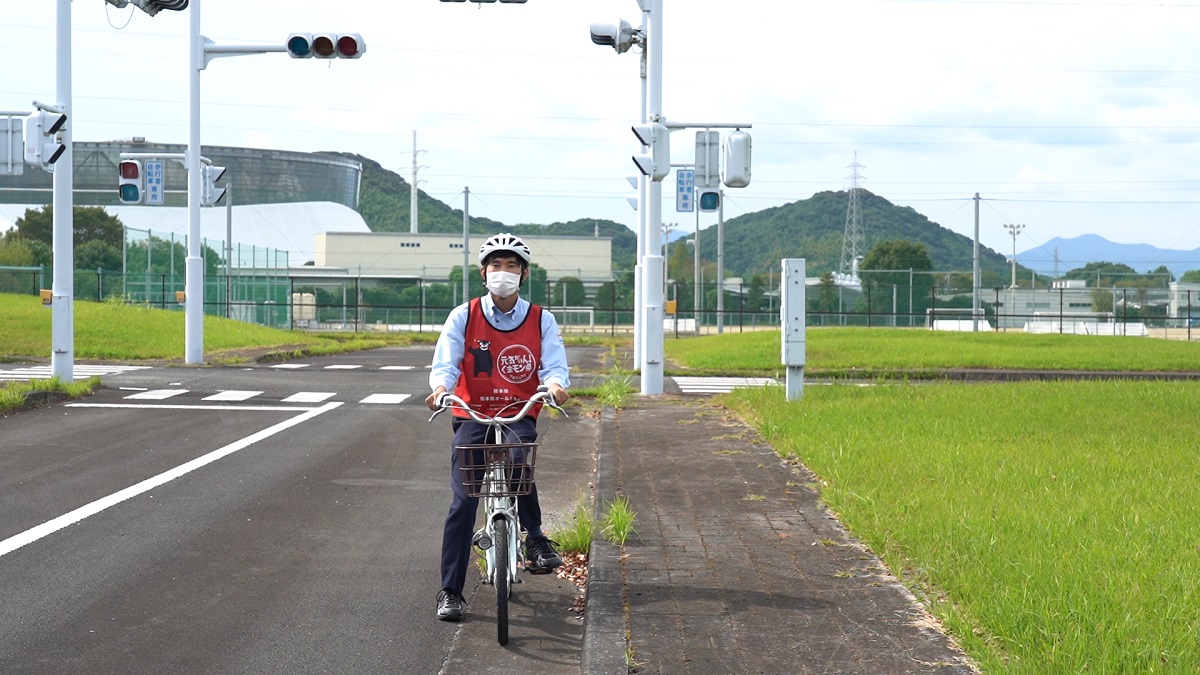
(685, 190)
(156, 185)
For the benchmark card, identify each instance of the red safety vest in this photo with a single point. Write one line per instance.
(499, 366)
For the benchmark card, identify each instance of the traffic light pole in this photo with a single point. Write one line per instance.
(62, 307)
(193, 335)
(202, 51)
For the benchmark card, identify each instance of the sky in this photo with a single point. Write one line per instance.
(1069, 118)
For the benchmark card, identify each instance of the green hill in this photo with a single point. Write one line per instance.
(813, 229)
(754, 242)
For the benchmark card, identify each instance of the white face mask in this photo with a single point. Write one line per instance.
(503, 284)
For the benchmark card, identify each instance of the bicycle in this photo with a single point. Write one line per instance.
(498, 473)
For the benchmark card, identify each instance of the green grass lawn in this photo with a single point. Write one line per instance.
(116, 331)
(1051, 526)
(843, 351)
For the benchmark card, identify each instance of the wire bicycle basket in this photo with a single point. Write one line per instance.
(491, 470)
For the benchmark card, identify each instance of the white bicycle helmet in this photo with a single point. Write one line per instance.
(504, 242)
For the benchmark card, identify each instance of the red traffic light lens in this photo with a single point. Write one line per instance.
(130, 170)
(347, 46)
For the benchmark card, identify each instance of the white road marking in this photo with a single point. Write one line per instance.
(291, 365)
(157, 394)
(342, 367)
(232, 395)
(309, 397)
(397, 367)
(386, 399)
(718, 385)
(79, 371)
(45, 529)
(172, 406)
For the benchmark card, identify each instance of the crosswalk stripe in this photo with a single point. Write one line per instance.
(79, 371)
(309, 397)
(387, 399)
(157, 394)
(232, 395)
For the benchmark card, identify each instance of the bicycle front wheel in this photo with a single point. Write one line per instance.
(502, 578)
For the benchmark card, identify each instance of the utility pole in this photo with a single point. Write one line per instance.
(975, 275)
(412, 199)
(1014, 230)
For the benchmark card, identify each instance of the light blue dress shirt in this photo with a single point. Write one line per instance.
(451, 345)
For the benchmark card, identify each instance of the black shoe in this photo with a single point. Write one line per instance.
(450, 606)
(540, 557)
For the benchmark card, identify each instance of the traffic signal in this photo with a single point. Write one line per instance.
(152, 7)
(131, 185)
(709, 200)
(210, 194)
(42, 145)
(736, 171)
(657, 164)
(325, 45)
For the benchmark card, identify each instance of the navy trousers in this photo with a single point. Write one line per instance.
(460, 521)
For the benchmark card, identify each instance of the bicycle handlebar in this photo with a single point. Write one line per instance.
(448, 400)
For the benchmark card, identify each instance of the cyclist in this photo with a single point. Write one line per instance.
(494, 350)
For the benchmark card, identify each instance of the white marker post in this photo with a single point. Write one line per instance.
(791, 320)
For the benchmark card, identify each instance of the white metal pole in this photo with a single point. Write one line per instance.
(652, 263)
(721, 263)
(62, 307)
(696, 290)
(643, 200)
(194, 265)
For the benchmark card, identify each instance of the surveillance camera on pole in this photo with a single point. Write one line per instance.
(620, 36)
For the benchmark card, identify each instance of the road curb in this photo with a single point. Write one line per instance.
(604, 613)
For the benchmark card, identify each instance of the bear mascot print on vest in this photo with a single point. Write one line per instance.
(500, 367)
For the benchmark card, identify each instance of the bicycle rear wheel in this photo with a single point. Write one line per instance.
(502, 579)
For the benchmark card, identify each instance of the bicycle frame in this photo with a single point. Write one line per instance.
(498, 507)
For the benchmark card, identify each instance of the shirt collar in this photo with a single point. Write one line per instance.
(490, 308)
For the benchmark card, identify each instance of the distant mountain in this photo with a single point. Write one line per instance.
(1058, 256)
(813, 229)
(754, 242)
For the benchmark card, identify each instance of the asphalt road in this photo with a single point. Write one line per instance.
(165, 524)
